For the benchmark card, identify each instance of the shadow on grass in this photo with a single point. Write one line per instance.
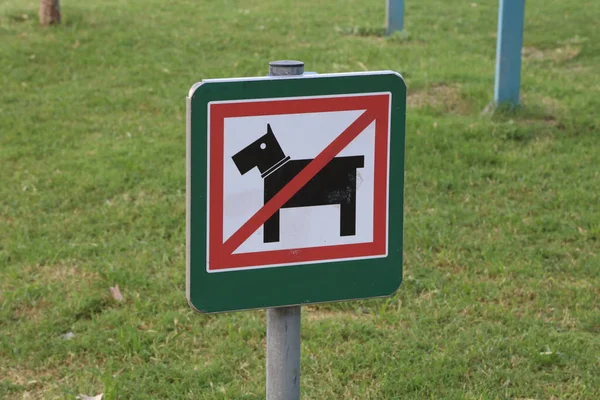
(523, 122)
(378, 32)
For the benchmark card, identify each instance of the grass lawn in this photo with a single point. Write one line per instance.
(501, 291)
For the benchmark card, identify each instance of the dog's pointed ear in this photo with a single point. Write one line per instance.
(269, 130)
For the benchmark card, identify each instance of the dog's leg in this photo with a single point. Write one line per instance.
(271, 229)
(348, 217)
(348, 207)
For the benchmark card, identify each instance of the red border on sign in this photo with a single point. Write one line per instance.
(220, 257)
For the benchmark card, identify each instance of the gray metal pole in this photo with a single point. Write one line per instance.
(283, 324)
(283, 353)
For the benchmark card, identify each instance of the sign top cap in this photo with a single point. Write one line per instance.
(286, 67)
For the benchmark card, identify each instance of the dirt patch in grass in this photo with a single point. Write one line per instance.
(558, 55)
(541, 109)
(41, 383)
(543, 144)
(577, 68)
(549, 105)
(535, 109)
(31, 311)
(62, 274)
(29, 384)
(444, 98)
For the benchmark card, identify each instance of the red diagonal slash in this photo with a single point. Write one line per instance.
(299, 181)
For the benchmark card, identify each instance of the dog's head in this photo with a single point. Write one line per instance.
(263, 153)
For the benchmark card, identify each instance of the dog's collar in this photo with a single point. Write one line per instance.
(275, 167)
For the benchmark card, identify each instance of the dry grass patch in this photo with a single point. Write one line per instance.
(71, 279)
(34, 384)
(444, 98)
(315, 314)
(42, 383)
(543, 144)
(549, 106)
(31, 311)
(542, 109)
(558, 55)
(68, 275)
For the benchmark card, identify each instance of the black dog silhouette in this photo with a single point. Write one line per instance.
(334, 184)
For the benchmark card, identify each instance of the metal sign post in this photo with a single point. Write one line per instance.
(283, 353)
(508, 52)
(294, 196)
(394, 16)
(283, 324)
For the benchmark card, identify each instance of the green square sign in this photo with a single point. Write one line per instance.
(294, 189)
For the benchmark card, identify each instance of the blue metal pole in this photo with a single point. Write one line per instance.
(511, 15)
(394, 16)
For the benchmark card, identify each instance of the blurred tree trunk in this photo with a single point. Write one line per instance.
(49, 12)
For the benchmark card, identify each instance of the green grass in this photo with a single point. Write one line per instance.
(501, 289)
